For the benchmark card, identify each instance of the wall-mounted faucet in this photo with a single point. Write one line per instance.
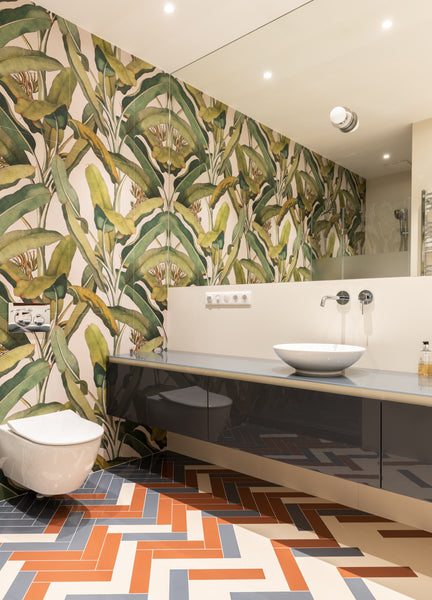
(341, 297)
(365, 297)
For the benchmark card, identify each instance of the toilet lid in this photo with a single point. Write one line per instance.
(62, 428)
(196, 396)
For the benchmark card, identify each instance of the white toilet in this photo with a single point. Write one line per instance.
(185, 411)
(50, 454)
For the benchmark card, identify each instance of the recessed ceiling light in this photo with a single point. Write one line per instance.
(386, 24)
(267, 74)
(386, 156)
(169, 8)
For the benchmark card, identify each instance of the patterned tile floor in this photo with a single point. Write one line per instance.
(169, 527)
(340, 459)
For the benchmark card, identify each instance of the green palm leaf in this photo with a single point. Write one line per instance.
(22, 202)
(16, 242)
(24, 19)
(16, 60)
(22, 382)
(9, 360)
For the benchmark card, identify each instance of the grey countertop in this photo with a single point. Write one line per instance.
(368, 383)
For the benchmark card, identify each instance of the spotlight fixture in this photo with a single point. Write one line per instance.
(387, 24)
(386, 156)
(169, 8)
(267, 74)
(344, 119)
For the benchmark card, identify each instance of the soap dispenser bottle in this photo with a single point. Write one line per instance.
(425, 361)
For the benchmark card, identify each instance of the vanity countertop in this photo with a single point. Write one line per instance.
(367, 383)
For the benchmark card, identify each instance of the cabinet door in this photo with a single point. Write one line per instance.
(165, 399)
(407, 449)
(333, 434)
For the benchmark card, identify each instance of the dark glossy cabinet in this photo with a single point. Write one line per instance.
(407, 449)
(379, 443)
(160, 398)
(334, 434)
(329, 433)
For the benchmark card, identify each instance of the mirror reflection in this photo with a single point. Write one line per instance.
(372, 57)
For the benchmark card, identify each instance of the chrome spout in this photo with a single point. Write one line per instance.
(342, 298)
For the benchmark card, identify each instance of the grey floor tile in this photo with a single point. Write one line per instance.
(4, 556)
(69, 528)
(23, 530)
(327, 552)
(114, 488)
(12, 521)
(20, 586)
(151, 504)
(103, 483)
(25, 501)
(359, 589)
(179, 585)
(231, 513)
(297, 515)
(26, 546)
(82, 534)
(229, 541)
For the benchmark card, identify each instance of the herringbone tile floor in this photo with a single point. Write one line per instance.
(169, 527)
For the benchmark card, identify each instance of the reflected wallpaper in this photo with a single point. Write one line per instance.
(119, 180)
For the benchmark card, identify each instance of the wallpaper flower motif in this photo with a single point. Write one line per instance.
(118, 181)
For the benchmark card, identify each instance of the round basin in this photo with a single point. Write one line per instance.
(321, 360)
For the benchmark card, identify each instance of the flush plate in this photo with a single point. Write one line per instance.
(28, 317)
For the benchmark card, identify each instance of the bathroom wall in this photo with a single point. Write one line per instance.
(109, 167)
(83, 200)
(385, 195)
(391, 328)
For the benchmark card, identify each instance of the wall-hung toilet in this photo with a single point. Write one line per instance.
(185, 411)
(50, 454)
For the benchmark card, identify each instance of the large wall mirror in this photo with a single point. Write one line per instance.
(373, 56)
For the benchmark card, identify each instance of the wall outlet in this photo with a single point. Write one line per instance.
(28, 317)
(221, 299)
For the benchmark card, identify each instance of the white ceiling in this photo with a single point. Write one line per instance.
(324, 53)
(170, 41)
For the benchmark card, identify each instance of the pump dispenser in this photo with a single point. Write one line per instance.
(425, 361)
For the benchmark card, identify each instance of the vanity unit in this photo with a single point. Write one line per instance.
(371, 427)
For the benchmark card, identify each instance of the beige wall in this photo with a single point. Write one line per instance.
(392, 327)
(383, 196)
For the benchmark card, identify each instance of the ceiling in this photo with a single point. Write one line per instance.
(322, 53)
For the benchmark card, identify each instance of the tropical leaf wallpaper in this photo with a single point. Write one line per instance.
(118, 180)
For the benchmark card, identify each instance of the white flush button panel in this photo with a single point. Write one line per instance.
(28, 317)
(221, 299)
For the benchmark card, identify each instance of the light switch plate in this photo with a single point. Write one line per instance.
(220, 299)
(28, 317)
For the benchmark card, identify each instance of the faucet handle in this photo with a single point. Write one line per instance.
(343, 297)
(365, 297)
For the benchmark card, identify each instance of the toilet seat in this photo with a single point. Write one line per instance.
(196, 396)
(62, 428)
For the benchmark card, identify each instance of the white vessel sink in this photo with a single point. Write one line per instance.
(319, 359)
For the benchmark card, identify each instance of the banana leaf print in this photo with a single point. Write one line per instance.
(286, 204)
(118, 181)
(61, 244)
